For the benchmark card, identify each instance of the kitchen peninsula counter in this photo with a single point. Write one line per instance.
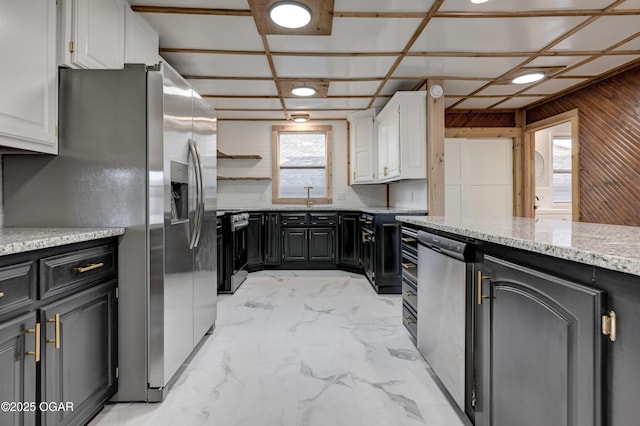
(19, 240)
(324, 208)
(611, 247)
(541, 284)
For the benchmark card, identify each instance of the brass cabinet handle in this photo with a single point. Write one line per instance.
(480, 296)
(89, 267)
(36, 331)
(408, 240)
(1, 293)
(409, 293)
(56, 320)
(408, 265)
(409, 320)
(610, 325)
(386, 170)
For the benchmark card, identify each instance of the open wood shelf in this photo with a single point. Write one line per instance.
(244, 178)
(239, 157)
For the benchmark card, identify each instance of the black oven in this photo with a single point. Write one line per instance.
(236, 250)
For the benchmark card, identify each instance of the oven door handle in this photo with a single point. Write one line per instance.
(239, 225)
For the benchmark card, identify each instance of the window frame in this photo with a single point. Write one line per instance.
(553, 136)
(275, 170)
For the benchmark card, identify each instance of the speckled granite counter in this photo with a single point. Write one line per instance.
(372, 210)
(608, 246)
(18, 240)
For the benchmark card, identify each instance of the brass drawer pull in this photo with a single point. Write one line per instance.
(408, 240)
(293, 218)
(88, 268)
(323, 218)
(409, 293)
(56, 320)
(409, 320)
(36, 331)
(408, 265)
(1, 293)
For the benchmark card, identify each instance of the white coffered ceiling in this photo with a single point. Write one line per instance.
(377, 47)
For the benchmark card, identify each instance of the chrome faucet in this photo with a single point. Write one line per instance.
(309, 202)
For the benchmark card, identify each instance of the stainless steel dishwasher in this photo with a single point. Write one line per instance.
(445, 320)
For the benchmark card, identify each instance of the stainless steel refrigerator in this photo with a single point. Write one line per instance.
(137, 149)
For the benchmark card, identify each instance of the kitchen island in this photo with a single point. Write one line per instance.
(58, 323)
(551, 311)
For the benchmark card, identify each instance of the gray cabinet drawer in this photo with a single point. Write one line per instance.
(409, 320)
(322, 218)
(293, 218)
(17, 286)
(410, 294)
(75, 269)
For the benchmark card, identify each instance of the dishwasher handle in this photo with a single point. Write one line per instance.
(458, 250)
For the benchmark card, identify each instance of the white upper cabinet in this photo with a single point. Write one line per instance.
(362, 138)
(402, 137)
(142, 43)
(91, 33)
(28, 75)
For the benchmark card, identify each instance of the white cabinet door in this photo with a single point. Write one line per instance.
(402, 152)
(141, 40)
(413, 136)
(388, 126)
(28, 75)
(363, 146)
(92, 33)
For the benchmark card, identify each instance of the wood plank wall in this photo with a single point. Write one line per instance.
(609, 137)
(480, 119)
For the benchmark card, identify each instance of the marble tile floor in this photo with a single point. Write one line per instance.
(300, 348)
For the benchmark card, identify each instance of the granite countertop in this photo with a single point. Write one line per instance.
(372, 210)
(18, 240)
(612, 247)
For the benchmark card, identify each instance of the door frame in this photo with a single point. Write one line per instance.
(529, 161)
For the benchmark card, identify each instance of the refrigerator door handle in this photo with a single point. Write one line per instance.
(200, 193)
(196, 214)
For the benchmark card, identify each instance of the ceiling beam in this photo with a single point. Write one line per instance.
(191, 10)
(432, 11)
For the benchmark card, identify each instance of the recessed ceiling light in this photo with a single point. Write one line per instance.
(479, 1)
(300, 118)
(303, 91)
(290, 14)
(528, 78)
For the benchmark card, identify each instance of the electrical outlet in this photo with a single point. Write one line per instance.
(262, 196)
(411, 195)
(341, 196)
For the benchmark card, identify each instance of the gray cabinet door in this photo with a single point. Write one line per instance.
(541, 349)
(255, 240)
(322, 244)
(349, 241)
(81, 367)
(18, 369)
(272, 253)
(295, 245)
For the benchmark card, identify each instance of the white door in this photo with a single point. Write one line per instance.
(479, 178)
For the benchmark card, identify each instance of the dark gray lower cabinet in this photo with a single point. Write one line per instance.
(58, 346)
(308, 244)
(80, 353)
(18, 368)
(539, 349)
